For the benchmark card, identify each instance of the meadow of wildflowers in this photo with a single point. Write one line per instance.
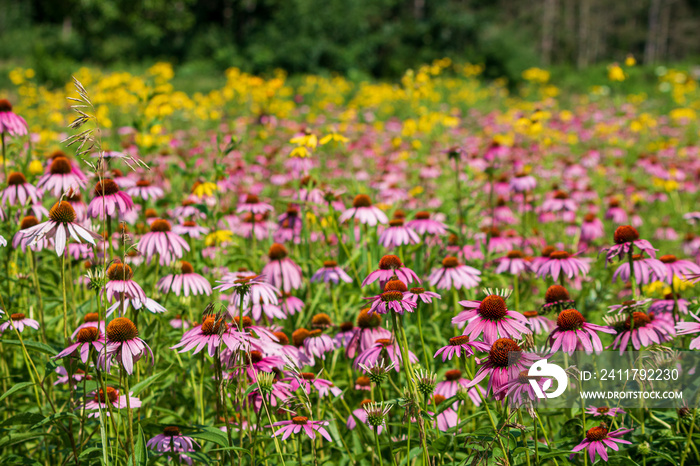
(322, 271)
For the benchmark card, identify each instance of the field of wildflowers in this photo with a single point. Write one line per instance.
(321, 271)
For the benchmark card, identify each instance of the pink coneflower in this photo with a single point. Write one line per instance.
(668, 303)
(616, 213)
(281, 270)
(368, 331)
(591, 228)
(186, 282)
(461, 344)
(308, 381)
(390, 266)
(172, 441)
(190, 229)
(513, 263)
(75, 199)
(604, 411)
(646, 270)
(364, 212)
(59, 225)
(497, 242)
(77, 376)
(452, 274)
(423, 224)
(91, 319)
(361, 414)
(253, 205)
(453, 383)
(539, 324)
(249, 287)
(123, 343)
(383, 347)
(254, 362)
(20, 239)
(537, 261)
(291, 304)
(99, 401)
(398, 234)
(598, 439)
(207, 334)
(522, 182)
(330, 272)
(565, 263)
(680, 268)
(299, 423)
(188, 209)
(519, 391)
(18, 321)
(163, 241)
(121, 285)
(61, 176)
(317, 344)
(88, 338)
(145, 190)
(10, 122)
(492, 318)
(640, 328)
(504, 363)
(18, 189)
(392, 299)
(571, 329)
(689, 328)
(559, 202)
(446, 419)
(109, 200)
(419, 294)
(626, 238)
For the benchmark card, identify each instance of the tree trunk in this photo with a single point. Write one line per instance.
(652, 32)
(548, 21)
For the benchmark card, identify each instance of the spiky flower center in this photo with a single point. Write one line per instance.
(16, 179)
(315, 333)
(120, 271)
(282, 337)
(561, 195)
(330, 264)
(493, 307)
(5, 105)
(556, 293)
(121, 329)
(88, 334)
(143, 183)
(668, 259)
(515, 255)
(547, 250)
(321, 320)
(422, 215)
(559, 255)
(570, 319)
(299, 335)
(450, 262)
(363, 381)
(308, 375)
(211, 325)
(277, 252)
(603, 409)
(437, 399)
(640, 320)
(500, 351)
(384, 342)
(625, 234)
(452, 375)
(588, 218)
(91, 317)
(396, 222)
(150, 213)
(395, 285)
(160, 225)
(362, 200)
(390, 262)
(389, 296)
(106, 187)
(418, 290)
(28, 222)
(596, 434)
(459, 340)
(243, 323)
(186, 267)
(171, 431)
(62, 212)
(112, 395)
(531, 314)
(524, 377)
(367, 320)
(255, 356)
(60, 166)
(300, 420)
(189, 224)
(17, 316)
(252, 199)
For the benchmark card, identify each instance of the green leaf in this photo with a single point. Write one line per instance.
(211, 434)
(140, 451)
(55, 417)
(22, 419)
(33, 345)
(139, 387)
(16, 388)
